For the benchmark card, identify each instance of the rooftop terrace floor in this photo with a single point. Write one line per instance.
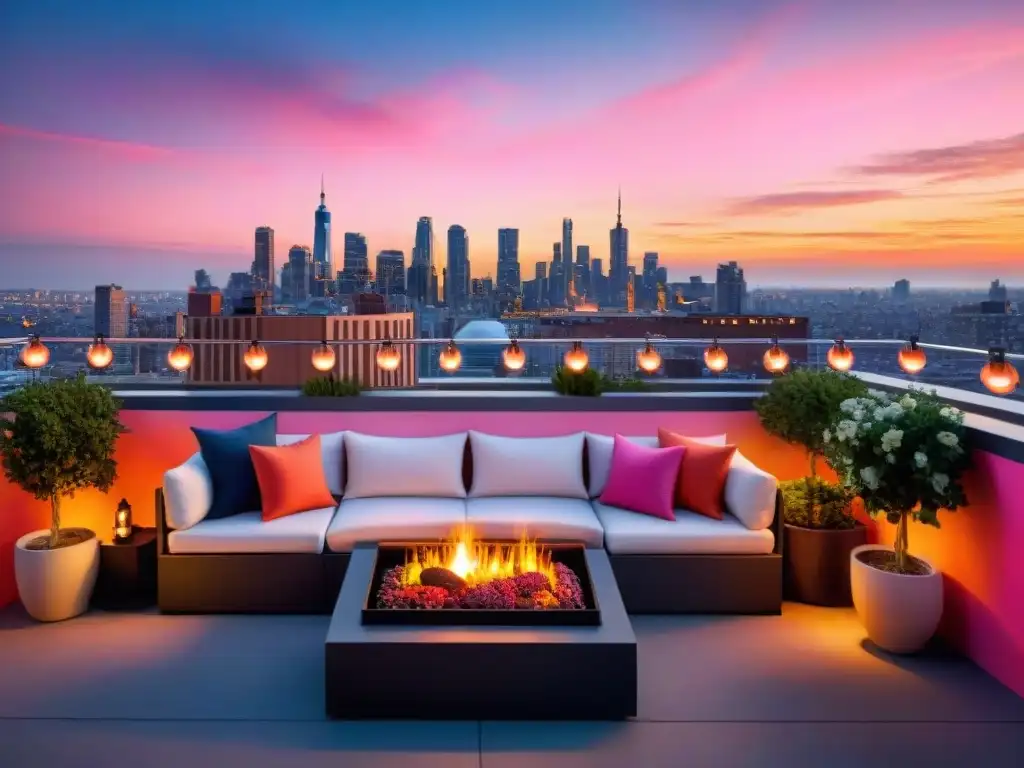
(798, 689)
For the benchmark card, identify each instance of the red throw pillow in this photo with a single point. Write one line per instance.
(702, 474)
(291, 478)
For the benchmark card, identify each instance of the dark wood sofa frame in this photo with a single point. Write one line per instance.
(309, 583)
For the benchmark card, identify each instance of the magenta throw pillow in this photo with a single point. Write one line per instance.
(643, 479)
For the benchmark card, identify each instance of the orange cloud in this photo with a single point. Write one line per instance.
(982, 159)
(788, 203)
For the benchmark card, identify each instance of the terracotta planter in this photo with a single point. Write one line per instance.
(899, 612)
(816, 563)
(56, 584)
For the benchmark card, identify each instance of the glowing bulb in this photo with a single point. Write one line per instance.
(451, 358)
(256, 358)
(775, 359)
(576, 359)
(840, 356)
(388, 356)
(715, 358)
(999, 376)
(180, 357)
(35, 354)
(912, 358)
(648, 359)
(99, 355)
(513, 356)
(324, 357)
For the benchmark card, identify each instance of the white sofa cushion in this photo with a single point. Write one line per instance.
(405, 466)
(750, 493)
(537, 517)
(332, 446)
(599, 455)
(527, 466)
(188, 493)
(394, 518)
(247, 533)
(630, 533)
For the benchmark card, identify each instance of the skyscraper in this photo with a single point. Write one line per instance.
(649, 279)
(422, 279)
(567, 251)
(390, 270)
(456, 281)
(356, 263)
(423, 248)
(263, 274)
(618, 263)
(322, 237)
(300, 274)
(583, 269)
(901, 290)
(110, 312)
(556, 277)
(730, 289)
(509, 277)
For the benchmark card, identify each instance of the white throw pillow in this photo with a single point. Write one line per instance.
(599, 455)
(750, 493)
(332, 446)
(188, 493)
(405, 466)
(527, 466)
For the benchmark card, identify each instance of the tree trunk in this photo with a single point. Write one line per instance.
(900, 543)
(814, 464)
(54, 521)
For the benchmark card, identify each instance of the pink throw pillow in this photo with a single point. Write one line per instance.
(643, 479)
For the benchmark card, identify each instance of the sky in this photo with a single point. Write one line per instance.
(817, 142)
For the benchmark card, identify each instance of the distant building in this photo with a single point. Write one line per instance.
(901, 291)
(203, 281)
(110, 312)
(355, 271)
(390, 273)
(263, 272)
(456, 281)
(203, 305)
(997, 292)
(297, 276)
(730, 289)
(290, 365)
(582, 270)
(323, 267)
(567, 252)
(509, 276)
(618, 265)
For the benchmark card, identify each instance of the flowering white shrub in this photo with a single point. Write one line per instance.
(901, 455)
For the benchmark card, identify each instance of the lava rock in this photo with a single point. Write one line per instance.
(442, 577)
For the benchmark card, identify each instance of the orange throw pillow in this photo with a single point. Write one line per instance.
(291, 478)
(700, 487)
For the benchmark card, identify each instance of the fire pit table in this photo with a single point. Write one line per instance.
(501, 631)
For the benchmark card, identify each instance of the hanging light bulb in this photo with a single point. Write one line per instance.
(256, 357)
(324, 357)
(999, 376)
(715, 358)
(513, 356)
(451, 358)
(912, 358)
(647, 359)
(840, 356)
(388, 356)
(99, 355)
(576, 359)
(775, 359)
(180, 356)
(35, 354)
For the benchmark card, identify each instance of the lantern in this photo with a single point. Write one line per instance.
(99, 355)
(388, 356)
(451, 358)
(912, 358)
(513, 356)
(35, 354)
(576, 359)
(840, 356)
(324, 357)
(180, 356)
(999, 376)
(775, 359)
(123, 521)
(715, 358)
(256, 357)
(647, 359)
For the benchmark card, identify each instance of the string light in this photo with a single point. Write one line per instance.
(99, 354)
(840, 356)
(388, 356)
(324, 357)
(647, 359)
(450, 358)
(256, 358)
(576, 359)
(35, 354)
(912, 358)
(998, 375)
(775, 359)
(180, 357)
(715, 358)
(513, 356)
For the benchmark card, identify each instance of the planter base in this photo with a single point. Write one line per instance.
(817, 564)
(56, 584)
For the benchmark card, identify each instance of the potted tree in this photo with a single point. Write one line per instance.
(818, 532)
(904, 457)
(57, 438)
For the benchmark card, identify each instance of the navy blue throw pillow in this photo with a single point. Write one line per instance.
(226, 453)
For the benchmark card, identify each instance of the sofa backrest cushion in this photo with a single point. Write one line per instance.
(226, 453)
(404, 466)
(332, 451)
(188, 493)
(599, 455)
(291, 478)
(527, 466)
(750, 493)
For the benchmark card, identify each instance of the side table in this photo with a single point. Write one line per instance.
(127, 577)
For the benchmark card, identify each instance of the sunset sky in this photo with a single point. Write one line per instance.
(818, 142)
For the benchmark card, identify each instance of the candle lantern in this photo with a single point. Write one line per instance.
(123, 522)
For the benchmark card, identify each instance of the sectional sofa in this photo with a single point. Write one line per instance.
(422, 489)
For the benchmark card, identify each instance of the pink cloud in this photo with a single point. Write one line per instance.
(788, 203)
(982, 159)
(125, 149)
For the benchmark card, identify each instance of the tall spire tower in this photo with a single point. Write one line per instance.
(322, 237)
(618, 262)
(618, 217)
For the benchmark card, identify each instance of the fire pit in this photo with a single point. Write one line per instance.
(467, 582)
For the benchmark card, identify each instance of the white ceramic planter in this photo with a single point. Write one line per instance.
(56, 584)
(900, 613)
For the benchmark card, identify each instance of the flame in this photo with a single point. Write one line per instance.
(478, 562)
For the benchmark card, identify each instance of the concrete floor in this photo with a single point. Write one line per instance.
(195, 691)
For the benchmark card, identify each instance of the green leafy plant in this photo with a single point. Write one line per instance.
(799, 407)
(903, 456)
(810, 502)
(56, 438)
(328, 386)
(591, 383)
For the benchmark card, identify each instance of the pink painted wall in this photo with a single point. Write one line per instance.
(977, 548)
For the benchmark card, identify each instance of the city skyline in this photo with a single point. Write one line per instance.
(815, 143)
